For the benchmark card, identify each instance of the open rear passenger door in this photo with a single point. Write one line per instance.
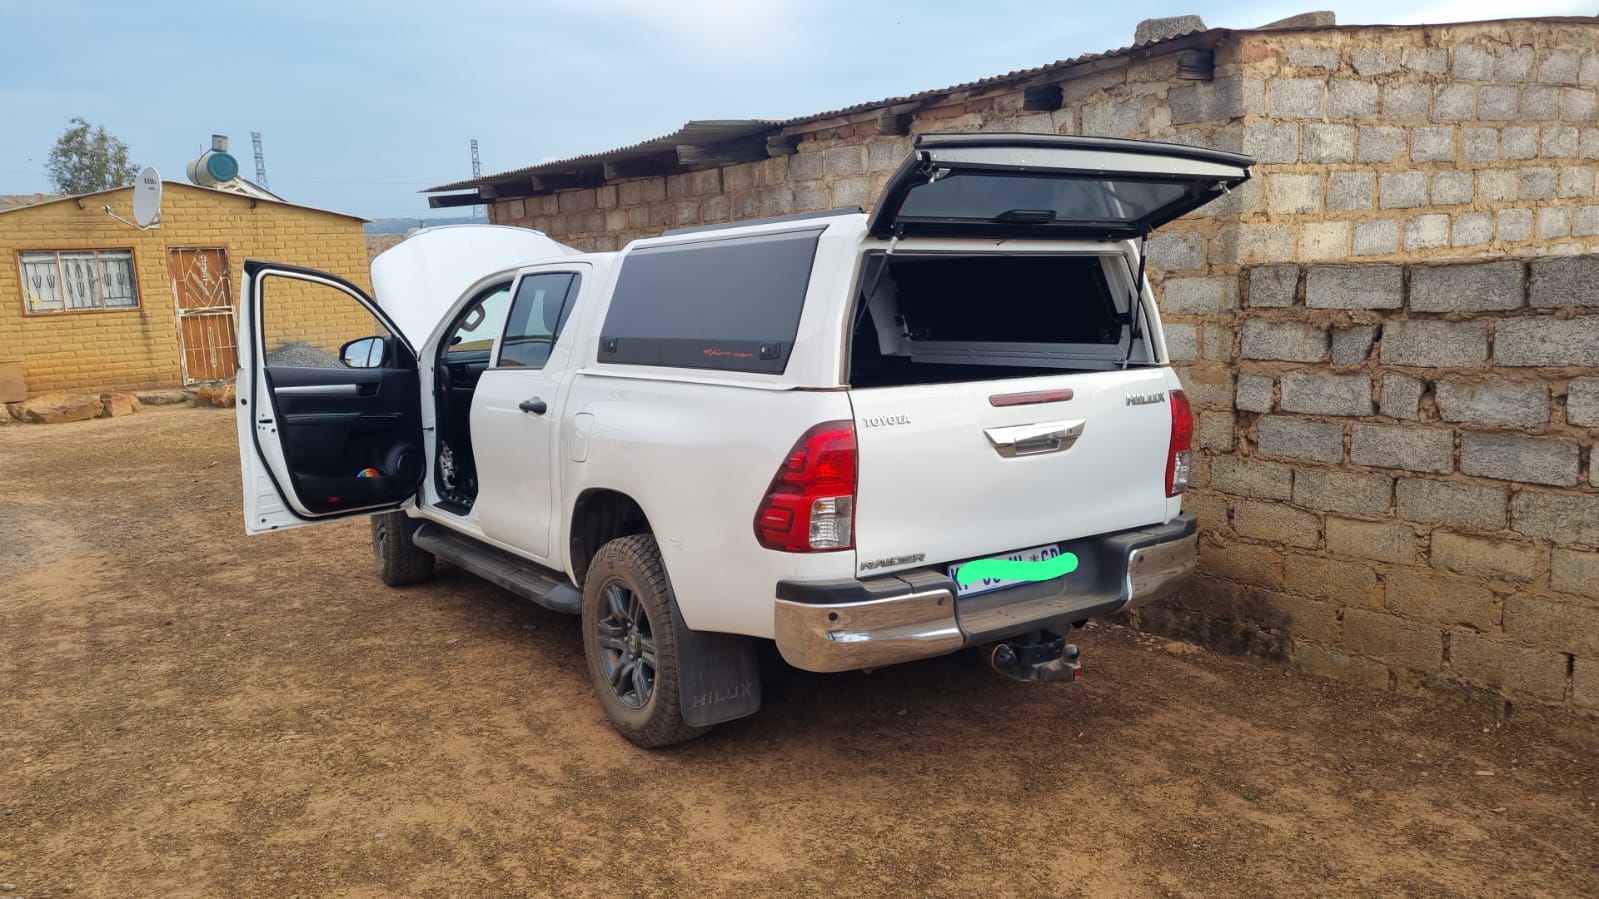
(329, 402)
(1049, 186)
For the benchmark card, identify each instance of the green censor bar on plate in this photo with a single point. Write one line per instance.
(1005, 569)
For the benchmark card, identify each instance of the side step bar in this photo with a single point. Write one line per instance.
(502, 569)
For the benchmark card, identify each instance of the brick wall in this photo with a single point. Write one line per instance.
(1381, 496)
(134, 349)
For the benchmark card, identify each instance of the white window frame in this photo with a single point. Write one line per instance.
(25, 258)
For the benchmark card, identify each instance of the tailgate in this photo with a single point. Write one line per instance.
(954, 471)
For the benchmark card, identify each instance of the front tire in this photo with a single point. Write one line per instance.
(628, 642)
(400, 562)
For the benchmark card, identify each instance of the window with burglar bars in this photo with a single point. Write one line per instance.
(78, 280)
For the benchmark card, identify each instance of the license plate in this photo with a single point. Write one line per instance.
(987, 584)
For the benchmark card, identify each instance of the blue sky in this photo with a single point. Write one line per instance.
(363, 102)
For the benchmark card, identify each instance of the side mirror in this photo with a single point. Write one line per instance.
(367, 352)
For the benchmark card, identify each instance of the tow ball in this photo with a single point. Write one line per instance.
(1038, 658)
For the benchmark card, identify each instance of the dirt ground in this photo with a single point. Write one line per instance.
(186, 711)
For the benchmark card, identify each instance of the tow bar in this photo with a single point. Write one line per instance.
(1036, 658)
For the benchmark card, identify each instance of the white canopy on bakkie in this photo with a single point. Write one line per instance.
(1049, 186)
(421, 276)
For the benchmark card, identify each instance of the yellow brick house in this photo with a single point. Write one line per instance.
(89, 303)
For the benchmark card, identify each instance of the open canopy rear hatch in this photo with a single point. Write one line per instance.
(1049, 185)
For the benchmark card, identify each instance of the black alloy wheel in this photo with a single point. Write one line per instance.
(626, 642)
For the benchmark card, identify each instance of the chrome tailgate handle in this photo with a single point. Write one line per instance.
(1043, 437)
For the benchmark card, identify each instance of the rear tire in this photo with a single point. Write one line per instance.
(629, 644)
(400, 562)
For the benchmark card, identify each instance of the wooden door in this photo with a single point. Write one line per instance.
(202, 283)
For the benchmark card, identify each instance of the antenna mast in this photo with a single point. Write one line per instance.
(477, 172)
(260, 160)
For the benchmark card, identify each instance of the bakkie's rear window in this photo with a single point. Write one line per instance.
(1040, 199)
(732, 304)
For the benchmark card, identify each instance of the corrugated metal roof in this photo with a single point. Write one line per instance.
(723, 130)
(707, 132)
(992, 81)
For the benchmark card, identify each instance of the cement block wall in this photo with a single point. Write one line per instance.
(1396, 480)
(1403, 489)
(1397, 483)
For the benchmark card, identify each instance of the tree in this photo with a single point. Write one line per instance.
(87, 158)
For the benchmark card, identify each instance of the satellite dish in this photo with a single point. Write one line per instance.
(147, 199)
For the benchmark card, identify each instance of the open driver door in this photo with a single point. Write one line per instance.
(329, 402)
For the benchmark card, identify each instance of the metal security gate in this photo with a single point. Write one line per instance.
(203, 286)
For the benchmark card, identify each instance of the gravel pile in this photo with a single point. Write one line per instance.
(301, 355)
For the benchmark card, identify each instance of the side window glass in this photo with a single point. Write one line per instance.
(730, 304)
(304, 324)
(476, 330)
(540, 310)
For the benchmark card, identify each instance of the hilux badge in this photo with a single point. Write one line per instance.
(1144, 399)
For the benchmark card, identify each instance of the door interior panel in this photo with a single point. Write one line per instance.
(350, 436)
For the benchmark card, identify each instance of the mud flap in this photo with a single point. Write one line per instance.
(718, 675)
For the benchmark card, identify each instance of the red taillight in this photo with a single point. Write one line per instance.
(1182, 444)
(810, 505)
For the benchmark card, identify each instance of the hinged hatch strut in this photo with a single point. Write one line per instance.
(1135, 310)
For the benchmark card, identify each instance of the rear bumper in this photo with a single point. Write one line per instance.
(846, 624)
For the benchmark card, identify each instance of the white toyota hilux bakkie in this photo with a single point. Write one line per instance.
(798, 430)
